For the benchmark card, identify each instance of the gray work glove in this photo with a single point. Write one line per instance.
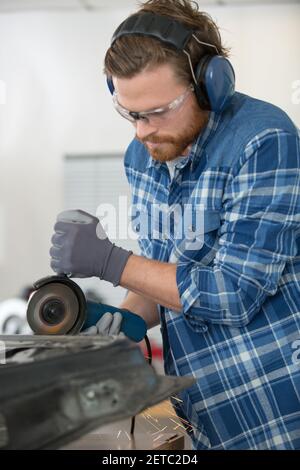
(109, 324)
(81, 248)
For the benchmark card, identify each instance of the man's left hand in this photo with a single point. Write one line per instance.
(81, 248)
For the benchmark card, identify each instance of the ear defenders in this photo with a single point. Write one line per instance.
(214, 77)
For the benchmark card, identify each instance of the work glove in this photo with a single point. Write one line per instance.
(109, 324)
(81, 248)
(109, 320)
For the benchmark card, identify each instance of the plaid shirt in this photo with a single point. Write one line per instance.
(238, 332)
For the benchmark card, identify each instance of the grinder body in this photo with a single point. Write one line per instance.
(58, 306)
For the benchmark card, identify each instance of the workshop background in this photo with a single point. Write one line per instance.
(61, 141)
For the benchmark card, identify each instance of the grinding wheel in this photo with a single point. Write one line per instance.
(55, 309)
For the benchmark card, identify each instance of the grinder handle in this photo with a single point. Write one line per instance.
(133, 326)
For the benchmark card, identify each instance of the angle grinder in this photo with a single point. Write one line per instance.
(58, 306)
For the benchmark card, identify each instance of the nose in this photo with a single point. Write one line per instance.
(144, 129)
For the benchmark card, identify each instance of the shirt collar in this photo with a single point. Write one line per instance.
(197, 147)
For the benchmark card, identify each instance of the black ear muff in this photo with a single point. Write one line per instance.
(200, 88)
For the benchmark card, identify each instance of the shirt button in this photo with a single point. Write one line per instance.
(165, 236)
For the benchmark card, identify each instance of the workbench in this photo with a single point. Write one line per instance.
(157, 428)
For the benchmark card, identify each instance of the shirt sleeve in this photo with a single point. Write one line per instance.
(258, 236)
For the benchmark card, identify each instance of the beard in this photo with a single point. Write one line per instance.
(172, 147)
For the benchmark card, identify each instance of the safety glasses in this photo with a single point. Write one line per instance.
(154, 116)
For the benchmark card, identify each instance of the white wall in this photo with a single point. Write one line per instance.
(57, 104)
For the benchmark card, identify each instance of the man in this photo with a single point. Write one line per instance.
(226, 289)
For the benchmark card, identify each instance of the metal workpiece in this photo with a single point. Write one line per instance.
(57, 389)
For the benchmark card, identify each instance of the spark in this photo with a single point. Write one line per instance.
(161, 430)
(178, 399)
(152, 417)
(144, 428)
(128, 435)
(184, 420)
(166, 408)
(154, 426)
(158, 437)
(178, 424)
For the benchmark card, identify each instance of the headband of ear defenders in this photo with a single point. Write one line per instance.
(168, 30)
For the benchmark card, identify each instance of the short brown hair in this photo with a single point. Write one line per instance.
(130, 55)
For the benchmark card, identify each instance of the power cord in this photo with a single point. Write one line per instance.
(149, 351)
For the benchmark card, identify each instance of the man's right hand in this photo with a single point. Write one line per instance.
(109, 320)
(109, 324)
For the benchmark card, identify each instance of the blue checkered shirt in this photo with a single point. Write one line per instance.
(238, 332)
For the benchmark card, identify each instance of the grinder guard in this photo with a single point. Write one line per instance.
(60, 309)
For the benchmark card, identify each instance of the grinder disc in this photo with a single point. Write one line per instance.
(54, 310)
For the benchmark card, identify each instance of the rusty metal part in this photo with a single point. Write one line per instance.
(55, 389)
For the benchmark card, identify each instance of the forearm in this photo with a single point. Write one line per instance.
(142, 306)
(152, 279)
